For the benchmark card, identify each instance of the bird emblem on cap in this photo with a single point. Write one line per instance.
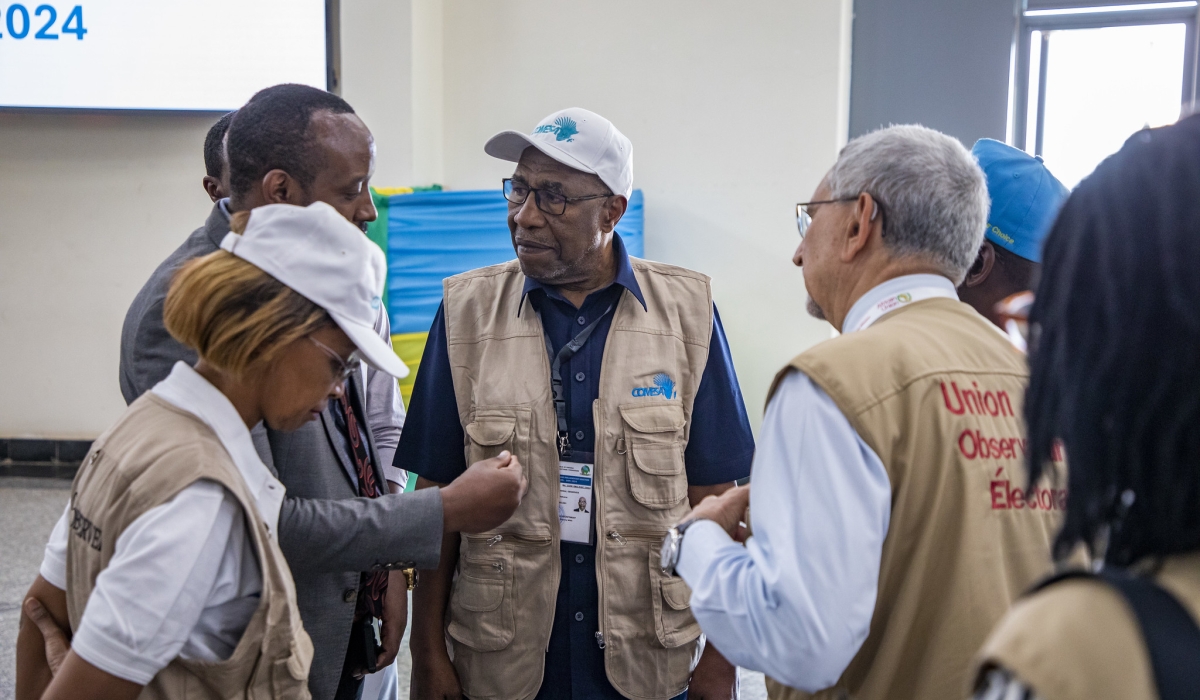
(563, 129)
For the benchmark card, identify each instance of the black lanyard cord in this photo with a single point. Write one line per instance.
(556, 383)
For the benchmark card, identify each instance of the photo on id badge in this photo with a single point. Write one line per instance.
(575, 502)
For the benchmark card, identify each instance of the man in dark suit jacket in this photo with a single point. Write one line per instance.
(298, 145)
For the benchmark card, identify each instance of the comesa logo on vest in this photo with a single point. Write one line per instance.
(663, 386)
(563, 129)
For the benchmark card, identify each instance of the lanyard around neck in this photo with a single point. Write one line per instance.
(904, 298)
(556, 384)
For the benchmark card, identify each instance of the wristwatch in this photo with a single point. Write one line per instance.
(672, 545)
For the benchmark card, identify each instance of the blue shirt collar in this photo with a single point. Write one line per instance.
(625, 277)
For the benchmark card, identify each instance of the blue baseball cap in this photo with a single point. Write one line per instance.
(1025, 198)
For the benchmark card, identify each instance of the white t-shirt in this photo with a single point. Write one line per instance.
(183, 580)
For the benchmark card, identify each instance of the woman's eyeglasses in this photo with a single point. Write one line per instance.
(342, 368)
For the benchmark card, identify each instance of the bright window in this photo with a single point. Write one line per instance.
(1094, 76)
(1103, 85)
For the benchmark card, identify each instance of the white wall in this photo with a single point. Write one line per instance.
(735, 111)
(89, 205)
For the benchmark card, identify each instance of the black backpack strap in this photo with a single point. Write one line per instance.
(1172, 637)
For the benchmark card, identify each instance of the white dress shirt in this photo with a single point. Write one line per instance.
(184, 579)
(385, 410)
(796, 601)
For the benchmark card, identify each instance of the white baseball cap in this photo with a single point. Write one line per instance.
(327, 260)
(578, 139)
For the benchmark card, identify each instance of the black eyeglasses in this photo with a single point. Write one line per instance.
(549, 202)
(342, 369)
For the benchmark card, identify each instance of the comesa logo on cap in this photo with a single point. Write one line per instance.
(663, 386)
(577, 138)
(563, 129)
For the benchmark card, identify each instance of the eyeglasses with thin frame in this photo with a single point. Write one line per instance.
(344, 368)
(804, 218)
(549, 202)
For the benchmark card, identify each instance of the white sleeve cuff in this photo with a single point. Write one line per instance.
(395, 475)
(54, 557)
(107, 654)
(701, 543)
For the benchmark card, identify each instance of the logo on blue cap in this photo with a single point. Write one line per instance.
(1025, 198)
(563, 129)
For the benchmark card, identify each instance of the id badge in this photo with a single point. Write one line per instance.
(575, 501)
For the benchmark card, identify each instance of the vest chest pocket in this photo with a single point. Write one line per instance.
(654, 454)
(481, 605)
(492, 431)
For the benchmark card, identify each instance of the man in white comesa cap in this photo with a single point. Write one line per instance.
(610, 379)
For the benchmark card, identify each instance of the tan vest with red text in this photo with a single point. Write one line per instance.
(145, 459)
(1079, 640)
(936, 393)
(502, 600)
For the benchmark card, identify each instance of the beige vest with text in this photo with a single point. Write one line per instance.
(145, 459)
(1079, 640)
(502, 600)
(936, 393)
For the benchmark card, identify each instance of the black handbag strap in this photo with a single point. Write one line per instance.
(1172, 637)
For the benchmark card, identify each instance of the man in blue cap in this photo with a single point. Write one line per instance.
(1025, 201)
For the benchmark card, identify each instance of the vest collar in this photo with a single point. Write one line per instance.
(188, 391)
(625, 277)
(864, 310)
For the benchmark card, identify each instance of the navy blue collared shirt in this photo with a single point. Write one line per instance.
(719, 450)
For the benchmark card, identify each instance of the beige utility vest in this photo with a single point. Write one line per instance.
(1079, 640)
(502, 600)
(936, 392)
(145, 459)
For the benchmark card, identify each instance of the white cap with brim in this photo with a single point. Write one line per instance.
(576, 138)
(326, 259)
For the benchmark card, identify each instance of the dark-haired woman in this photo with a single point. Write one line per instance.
(1115, 375)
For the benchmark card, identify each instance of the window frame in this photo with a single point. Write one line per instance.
(1093, 19)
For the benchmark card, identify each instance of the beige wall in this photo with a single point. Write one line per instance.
(89, 205)
(735, 111)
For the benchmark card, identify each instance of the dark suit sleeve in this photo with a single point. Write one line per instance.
(154, 353)
(360, 534)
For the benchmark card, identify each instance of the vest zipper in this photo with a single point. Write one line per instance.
(598, 497)
(639, 535)
(517, 539)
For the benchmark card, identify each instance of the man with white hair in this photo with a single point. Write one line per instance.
(890, 527)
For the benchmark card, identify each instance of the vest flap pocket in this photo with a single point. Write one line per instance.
(661, 459)
(481, 594)
(656, 476)
(671, 598)
(491, 430)
(659, 418)
(677, 593)
(481, 606)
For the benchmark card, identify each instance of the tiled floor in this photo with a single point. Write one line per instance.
(28, 510)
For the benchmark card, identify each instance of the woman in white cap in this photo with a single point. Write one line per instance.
(165, 563)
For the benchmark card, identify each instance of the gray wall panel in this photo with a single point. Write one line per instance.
(941, 63)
